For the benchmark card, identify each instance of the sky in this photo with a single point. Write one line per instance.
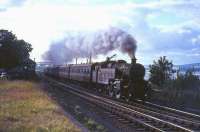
(161, 27)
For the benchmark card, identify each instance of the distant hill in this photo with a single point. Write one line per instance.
(194, 66)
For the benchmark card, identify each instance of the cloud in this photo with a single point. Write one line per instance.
(196, 40)
(160, 27)
(5, 4)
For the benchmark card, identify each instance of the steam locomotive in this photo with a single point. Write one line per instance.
(117, 79)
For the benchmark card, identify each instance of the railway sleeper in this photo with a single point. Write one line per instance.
(139, 123)
(182, 122)
(141, 129)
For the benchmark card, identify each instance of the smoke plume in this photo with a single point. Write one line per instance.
(82, 45)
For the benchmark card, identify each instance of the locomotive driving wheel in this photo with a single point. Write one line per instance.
(114, 89)
(118, 95)
(111, 93)
(117, 89)
(110, 89)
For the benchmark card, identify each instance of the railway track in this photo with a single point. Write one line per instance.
(141, 117)
(185, 118)
(191, 122)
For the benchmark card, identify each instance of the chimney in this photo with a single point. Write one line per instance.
(76, 60)
(90, 59)
(133, 60)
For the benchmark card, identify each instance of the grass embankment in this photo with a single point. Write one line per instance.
(24, 107)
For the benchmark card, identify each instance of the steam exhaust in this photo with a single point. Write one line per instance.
(82, 45)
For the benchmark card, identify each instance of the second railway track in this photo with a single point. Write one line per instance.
(143, 118)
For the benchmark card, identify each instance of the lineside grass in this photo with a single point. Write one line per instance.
(25, 108)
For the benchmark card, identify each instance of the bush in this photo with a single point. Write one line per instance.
(182, 91)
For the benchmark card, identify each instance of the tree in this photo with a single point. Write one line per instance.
(12, 51)
(160, 71)
(187, 81)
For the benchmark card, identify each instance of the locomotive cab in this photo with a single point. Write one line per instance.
(118, 86)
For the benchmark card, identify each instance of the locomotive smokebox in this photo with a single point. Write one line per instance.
(137, 71)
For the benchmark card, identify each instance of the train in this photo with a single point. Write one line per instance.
(117, 79)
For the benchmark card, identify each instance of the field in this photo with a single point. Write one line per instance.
(24, 107)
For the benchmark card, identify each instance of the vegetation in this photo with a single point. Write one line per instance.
(160, 71)
(13, 52)
(89, 123)
(186, 81)
(24, 107)
(183, 90)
